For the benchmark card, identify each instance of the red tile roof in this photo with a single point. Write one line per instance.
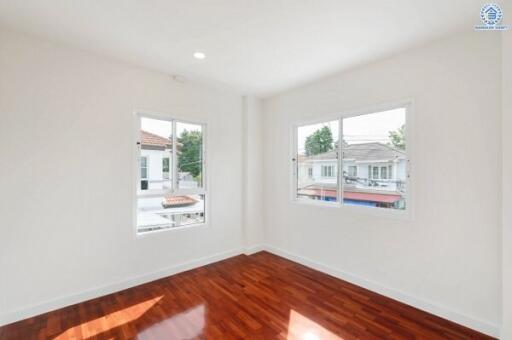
(357, 196)
(148, 138)
(177, 201)
(370, 197)
(318, 192)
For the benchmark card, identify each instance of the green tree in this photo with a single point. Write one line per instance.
(398, 138)
(190, 152)
(319, 141)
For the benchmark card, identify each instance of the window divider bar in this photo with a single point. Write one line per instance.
(294, 163)
(340, 161)
(174, 182)
(204, 157)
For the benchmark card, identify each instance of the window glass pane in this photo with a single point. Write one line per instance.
(375, 172)
(352, 171)
(383, 172)
(143, 168)
(375, 145)
(155, 146)
(166, 167)
(317, 162)
(144, 184)
(143, 173)
(164, 212)
(190, 155)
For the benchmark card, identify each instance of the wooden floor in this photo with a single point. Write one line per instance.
(261, 296)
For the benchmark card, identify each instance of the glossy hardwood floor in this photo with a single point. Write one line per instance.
(261, 296)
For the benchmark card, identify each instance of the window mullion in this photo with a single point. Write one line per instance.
(340, 161)
(203, 157)
(174, 182)
(295, 163)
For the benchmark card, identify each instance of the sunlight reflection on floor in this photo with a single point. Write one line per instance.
(302, 328)
(186, 325)
(110, 321)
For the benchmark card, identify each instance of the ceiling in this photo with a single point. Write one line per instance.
(257, 47)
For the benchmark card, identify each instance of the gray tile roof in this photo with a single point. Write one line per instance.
(362, 152)
(372, 152)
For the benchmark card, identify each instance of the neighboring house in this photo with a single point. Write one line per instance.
(155, 158)
(374, 174)
(155, 161)
(154, 212)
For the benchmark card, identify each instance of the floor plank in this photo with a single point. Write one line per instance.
(261, 296)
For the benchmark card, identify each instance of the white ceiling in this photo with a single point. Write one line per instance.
(256, 47)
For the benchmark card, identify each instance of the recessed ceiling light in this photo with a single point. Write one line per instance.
(199, 55)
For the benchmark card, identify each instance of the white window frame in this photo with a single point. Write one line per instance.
(140, 170)
(146, 167)
(169, 165)
(352, 167)
(329, 171)
(385, 168)
(378, 171)
(174, 190)
(408, 212)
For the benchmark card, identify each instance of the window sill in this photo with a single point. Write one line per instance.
(183, 227)
(370, 211)
(317, 203)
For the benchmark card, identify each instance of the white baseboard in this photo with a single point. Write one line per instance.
(254, 249)
(483, 326)
(63, 301)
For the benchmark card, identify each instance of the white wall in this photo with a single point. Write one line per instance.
(66, 176)
(446, 260)
(506, 175)
(253, 174)
(66, 131)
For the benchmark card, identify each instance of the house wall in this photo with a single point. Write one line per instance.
(317, 171)
(154, 163)
(401, 169)
(446, 258)
(362, 171)
(507, 179)
(66, 135)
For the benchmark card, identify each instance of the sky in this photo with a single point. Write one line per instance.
(163, 128)
(373, 127)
